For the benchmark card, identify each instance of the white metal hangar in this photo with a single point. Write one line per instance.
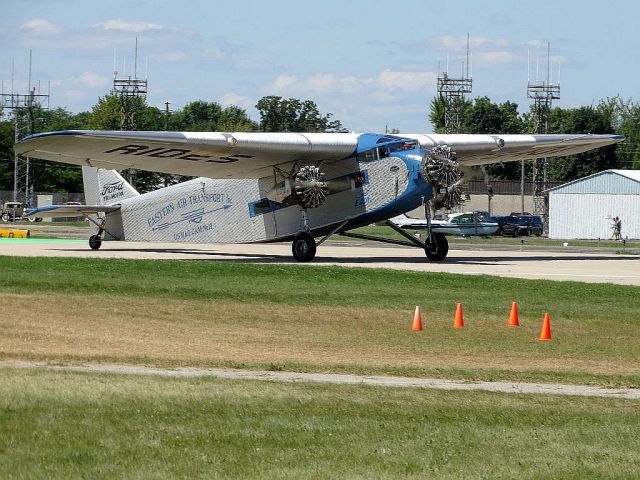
(586, 208)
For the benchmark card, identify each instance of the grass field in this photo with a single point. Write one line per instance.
(72, 425)
(61, 424)
(316, 318)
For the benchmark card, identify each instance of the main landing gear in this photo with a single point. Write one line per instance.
(95, 242)
(436, 247)
(303, 247)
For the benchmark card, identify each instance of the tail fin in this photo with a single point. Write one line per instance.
(105, 187)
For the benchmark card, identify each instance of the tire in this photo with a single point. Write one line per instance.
(303, 247)
(38, 219)
(31, 219)
(95, 242)
(5, 217)
(437, 250)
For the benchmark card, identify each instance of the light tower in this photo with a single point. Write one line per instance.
(543, 93)
(23, 108)
(452, 90)
(130, 90)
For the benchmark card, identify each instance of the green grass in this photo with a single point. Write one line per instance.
(78, 425)
(316, 318)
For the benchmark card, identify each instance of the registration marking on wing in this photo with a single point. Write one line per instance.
(136, 149)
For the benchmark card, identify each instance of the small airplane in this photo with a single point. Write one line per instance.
(269, 187)
(467, 224)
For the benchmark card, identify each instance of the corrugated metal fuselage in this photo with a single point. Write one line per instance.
(207, 210)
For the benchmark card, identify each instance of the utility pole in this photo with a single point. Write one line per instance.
(23, 108)
(166, 115)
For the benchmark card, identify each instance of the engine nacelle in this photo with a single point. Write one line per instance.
(307, 188)
(442, 170)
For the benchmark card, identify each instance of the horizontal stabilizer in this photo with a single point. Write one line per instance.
(52, 211)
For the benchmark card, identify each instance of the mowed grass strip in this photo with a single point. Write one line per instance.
(313, 318)
(73, 425)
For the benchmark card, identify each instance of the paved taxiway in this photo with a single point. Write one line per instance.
(578, 266)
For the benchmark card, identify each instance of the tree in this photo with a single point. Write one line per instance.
(201, 116)
(7, 135)
(278, 114)
(438, 112)
(582, 120)
(625, 115)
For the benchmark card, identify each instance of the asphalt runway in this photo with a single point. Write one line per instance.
(608, 267)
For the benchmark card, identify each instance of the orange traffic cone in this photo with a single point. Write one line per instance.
(417, 320)
(458, 321)
(513, 316)
(545, 333)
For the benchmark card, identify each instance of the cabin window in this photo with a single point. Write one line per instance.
(263, 206)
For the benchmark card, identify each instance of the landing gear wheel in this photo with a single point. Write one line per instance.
(437, 248)
(95, 242)
(303, 247)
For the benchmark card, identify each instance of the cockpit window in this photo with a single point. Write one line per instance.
(385, 151)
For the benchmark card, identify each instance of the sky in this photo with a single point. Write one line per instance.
(372, 64)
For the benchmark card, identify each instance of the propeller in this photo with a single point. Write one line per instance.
(442, 170)
(310, 187)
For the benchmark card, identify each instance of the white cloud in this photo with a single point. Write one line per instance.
(492, 59)
(91, 80)
(237, 100)
(386, 83)
(40, 26)
(170, 57)
(406, 81)
(453, 44)
(214, 53)
(136, 27)
(323, 82)
(536, 44)
(283, 82)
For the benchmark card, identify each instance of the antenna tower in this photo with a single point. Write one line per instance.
(23, 108)
(452, 90)
(130, 90)
(543, 93)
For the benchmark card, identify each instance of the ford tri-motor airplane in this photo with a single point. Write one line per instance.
(266, 187)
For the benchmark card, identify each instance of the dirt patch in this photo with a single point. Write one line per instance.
(403, 382)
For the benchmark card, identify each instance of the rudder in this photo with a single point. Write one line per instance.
(105, 187)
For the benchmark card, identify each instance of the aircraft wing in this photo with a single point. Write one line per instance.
(254, 154)
(52, 211)
(484, 149)
(207, 154)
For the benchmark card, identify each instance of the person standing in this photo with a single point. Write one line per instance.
(616, 226)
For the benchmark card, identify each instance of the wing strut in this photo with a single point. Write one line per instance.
(413, 242)
(331, 233)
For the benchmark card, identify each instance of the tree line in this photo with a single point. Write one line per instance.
(609, 116)
(277, 114)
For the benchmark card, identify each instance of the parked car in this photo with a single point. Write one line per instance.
(500, 220)
(12, 211)
(523, 225)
